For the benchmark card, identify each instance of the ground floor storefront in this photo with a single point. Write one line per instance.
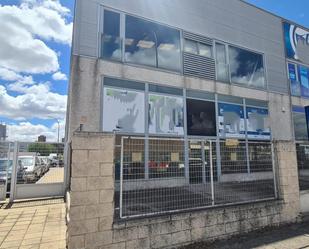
(171, 194)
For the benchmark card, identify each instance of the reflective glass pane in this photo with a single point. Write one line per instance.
(205, 50)
(222, 68)
(140, 42)
(220, 53)
(191, 47)
(303, 73)
(166, 158)
(165, 114)
(295, 86)
(123, 110)
(231, 120)
(246, 67)
(258, 123)
(111, 45)
(168, 47)
(300, 123)
(152, 44)
(201, 118)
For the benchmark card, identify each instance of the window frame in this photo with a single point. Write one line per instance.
(253, 52)
(227, 46)
(293, 121)
(101, 33)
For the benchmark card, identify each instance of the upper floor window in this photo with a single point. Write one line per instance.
(151, 44)
(221, 61)
(246, 67)
(292, 72)
(111, 42)
(299, 79)
(197, 48)
(303, 75)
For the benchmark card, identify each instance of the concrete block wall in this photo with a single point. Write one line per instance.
(91, 195)
(91, 222)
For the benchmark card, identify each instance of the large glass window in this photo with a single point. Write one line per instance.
(246, 67)
(123, 110)
(111, 43)
(166, 158)
(231, 120)
(258, 126)
(295, 87)
(300, 123)
(221, 61)
(151, 44)
(201, 118)
(303, 75)
(165, 114)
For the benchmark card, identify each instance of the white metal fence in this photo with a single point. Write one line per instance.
(302, 151)
(31, 170)
(162, 175)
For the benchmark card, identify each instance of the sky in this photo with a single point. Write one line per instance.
(35, 46)
(294, 10)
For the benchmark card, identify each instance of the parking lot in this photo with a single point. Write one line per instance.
(38, 224)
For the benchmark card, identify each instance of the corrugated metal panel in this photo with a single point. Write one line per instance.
(197, 38)
(199, 66)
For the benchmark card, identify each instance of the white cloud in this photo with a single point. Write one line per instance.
(28, 132)
(23, 29)
(35, 101)
(7, 74)
(59, 76)
(49, 4)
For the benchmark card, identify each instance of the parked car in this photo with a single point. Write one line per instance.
(6, 172)
(32, 166)
(45, 162)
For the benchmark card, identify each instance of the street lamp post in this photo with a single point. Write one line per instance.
(58, 129)
(57, 120)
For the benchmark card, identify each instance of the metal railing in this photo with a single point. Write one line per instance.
(163, 175)
(31, 170)
(302, 151)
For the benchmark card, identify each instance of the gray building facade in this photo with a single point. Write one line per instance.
(178, 112)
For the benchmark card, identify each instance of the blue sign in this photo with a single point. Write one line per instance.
(258, 123)
(231, 121)
(293, 35)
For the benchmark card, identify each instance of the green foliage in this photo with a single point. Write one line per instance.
(42, 148)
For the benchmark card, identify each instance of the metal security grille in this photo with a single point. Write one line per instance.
(244, 178)
(31, 170)
(302, 151)
(6, 152)
(162, 175)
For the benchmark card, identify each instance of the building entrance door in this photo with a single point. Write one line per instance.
(199, 160)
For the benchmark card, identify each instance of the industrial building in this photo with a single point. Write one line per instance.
(188, 121)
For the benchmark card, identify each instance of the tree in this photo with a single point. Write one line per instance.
(42, 148)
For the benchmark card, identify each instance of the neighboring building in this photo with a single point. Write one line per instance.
(42, 138)
(180, 111)
(3, 132)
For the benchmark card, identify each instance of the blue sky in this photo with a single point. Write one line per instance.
(34, 74)
(294, 10)
(32, 100)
